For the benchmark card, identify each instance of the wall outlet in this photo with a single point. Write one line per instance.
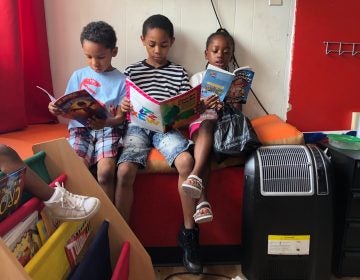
(275, 3)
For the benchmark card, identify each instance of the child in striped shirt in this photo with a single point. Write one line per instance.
(161, 79)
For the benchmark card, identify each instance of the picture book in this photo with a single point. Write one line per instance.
(221, 82)
(161, 116)
(23, 240)
(11, 188)
(79, 105)
(77, 243)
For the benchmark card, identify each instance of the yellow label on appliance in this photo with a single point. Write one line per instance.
(288, 244)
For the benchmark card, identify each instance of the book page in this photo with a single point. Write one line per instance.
(146, 110)
(180, 110)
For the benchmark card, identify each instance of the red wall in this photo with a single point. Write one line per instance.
(324, 89)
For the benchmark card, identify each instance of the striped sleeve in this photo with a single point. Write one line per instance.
(160, 83)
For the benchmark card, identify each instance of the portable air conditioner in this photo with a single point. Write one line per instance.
(287, 214)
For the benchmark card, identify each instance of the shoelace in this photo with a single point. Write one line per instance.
(68, 199)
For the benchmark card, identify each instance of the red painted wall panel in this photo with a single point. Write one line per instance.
(324, 89)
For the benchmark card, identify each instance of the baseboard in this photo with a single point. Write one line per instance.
(211, 255)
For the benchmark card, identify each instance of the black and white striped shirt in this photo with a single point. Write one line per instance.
(160, 83)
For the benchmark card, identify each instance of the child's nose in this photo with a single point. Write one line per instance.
(157, 49)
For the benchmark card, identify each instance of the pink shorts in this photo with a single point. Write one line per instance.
(193, 128)
(209, 114)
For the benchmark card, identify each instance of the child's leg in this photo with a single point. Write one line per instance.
(134, 155)
(124, 193)
(183, 164)
(10, 161)
(106, 146)
(174, 148)
(106, 176)
(203, 139)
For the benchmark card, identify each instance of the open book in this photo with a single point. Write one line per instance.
(221, 82)
(161, 116)
(80, 105)
(11, 189)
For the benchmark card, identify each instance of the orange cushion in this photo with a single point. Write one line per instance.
(271, 130)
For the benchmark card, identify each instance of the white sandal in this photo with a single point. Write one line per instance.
(193, 186)
(203, 213)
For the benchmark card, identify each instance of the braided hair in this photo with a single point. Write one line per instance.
(223, 32)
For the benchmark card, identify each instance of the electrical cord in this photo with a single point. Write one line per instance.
(203, 273)
(236, 64)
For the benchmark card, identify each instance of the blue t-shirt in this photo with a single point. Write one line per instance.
(107, 87)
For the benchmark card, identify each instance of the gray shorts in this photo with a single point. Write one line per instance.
(139, 141)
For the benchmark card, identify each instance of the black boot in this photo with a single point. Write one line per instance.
(189, 241)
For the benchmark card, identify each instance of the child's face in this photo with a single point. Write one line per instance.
(157, 43)
(98, 57)
(218, 52)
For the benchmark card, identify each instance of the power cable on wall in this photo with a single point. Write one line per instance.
(235, 61)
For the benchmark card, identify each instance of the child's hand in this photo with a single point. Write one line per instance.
(54, 109)
(126, 106)
(219, 105)
(201, 107)
(211, 102)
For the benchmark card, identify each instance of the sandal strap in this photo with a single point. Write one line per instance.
(202, 205)
(192, 176)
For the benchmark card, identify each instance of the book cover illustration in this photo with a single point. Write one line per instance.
(241, 84)
(223, 83)
(77, 243)
(81, 106)
(161, 116)
(23, 240)
(11, 188)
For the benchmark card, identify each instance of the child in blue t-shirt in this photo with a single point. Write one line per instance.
(98, 142)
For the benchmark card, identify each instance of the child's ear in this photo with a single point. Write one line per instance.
(142, 38)
(172, 41)
(114, 51)
(206, 54)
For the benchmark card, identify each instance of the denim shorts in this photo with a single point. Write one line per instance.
(93, 145)
(138, 142)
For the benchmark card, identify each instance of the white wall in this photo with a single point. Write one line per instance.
(262, 36)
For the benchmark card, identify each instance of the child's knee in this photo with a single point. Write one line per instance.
(126, 172)
(106, 176)
(184, 163)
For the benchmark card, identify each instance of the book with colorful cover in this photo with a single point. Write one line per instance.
(79, 105)
(77, 243)
(24, 240)
(161, 116)
(236, 84)
(11, 189)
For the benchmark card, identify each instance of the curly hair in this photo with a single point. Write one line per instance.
(99, 32)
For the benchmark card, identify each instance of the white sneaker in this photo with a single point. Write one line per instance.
(67, 206)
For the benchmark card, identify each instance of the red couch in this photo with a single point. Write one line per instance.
(157, 215)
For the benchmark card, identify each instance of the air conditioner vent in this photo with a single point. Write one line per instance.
(285, 171)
